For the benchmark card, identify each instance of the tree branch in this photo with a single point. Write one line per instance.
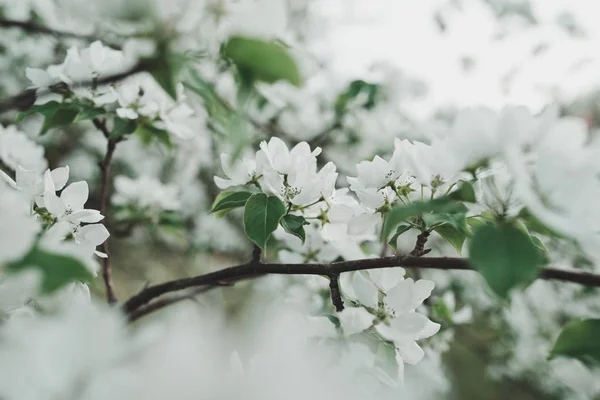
(33, 27)
(27, 98)
(336, 296)
(253, 270)
(111, 146)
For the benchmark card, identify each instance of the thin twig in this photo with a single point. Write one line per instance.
(111, 146)
(27, 98)
(33, 27)
(162, 303)
(253, 270)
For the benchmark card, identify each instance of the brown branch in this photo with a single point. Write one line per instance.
(111, 146)
(33, 27)
(27, 98)
(253, 270)
(162, 303)
(419, 249)
(336, 296)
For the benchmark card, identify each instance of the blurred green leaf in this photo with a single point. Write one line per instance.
(54, 113)
(354, 89)
(57, 270)
(579, 339)
(403, 212)
(262, 60)
(165, 68)
(505, 256)
(393, 242)
(465, 192)
(148, 132)
(122, 127)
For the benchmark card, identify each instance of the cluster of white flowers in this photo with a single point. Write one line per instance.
(40, 209)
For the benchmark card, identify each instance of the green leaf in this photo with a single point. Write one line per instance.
(46, 109)
(454, 236)
(505, 256)
(401, 213)
(294, 224)
(533, 224)
(456, 220)
(354, 89)
(165, 67)
(57, 270)
(262, 60)
(89, 112)
(476, 222)
(122, 127)
(261, 217)
(579, 339)
(55, 114)
(230, 200)
(147, 133)
(393, 242)
(440, 312)
(465, 192)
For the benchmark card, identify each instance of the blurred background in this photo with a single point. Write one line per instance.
(419, 63)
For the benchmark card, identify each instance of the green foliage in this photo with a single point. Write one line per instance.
(465, 192)
(261, 217)
(533, 224)
(401, 229)
(122, 127)
(294, 224)
(505, 256)
(440, 312)
(454, 236)
(148, 132)
(57, 270)
(260, 60)
(579, 339)
(54, 113)
(354, 89)
(88, 112)
(401, 213)
(230, 200)
(222, 114)
(165, 68)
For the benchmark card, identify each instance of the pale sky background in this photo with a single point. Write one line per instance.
(405, 32)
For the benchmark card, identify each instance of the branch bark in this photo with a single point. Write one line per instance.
(33, 27)
(27, 98)
(254, 270)
(111, 146)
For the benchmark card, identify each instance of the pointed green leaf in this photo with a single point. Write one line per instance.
(393, 242)
(505, 256)
(294, 224)
(147, 133)
(579, 339)
(454, 236)
(261, 217)
(262, 60)
(165, 67)
(401, 213)
(87, 113)
(46, 109)
(230, 200)
(122, 127)
(465, 192)
(456, 220)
